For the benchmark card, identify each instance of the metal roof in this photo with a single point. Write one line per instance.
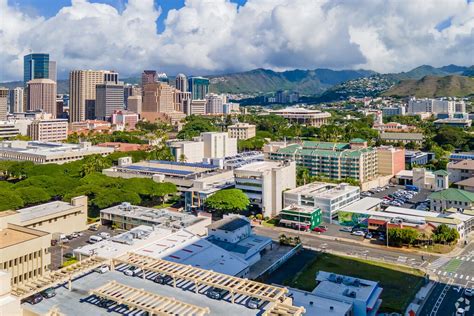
(229, 223)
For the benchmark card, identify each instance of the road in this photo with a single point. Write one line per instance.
(355, 248)
(455, 275)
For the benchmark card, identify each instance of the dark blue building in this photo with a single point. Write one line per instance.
(417, 158)
(35, 66)
(199, 87)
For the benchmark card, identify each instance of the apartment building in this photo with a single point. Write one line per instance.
(461, 170)
(3, 103)
(52, 130)
(391, 160)
(303, 116)
(218, 145)
(328, 197)
(333, 160)
(109, 98)
(264, 183)
(42, 96)
(242, 131)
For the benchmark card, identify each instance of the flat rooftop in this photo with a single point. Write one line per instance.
(260, 166)
(299, 209)
(323, 190)
(364, 204)
(315, 305)
(167, 168)
(42, 210)
(76, 301)
(49, 148)
(13, 235)
(229, 223)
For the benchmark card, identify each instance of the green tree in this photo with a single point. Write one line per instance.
(94, 163)
(302, 176)
(33, 195)
(9, 200)
(444, 234)
(228, 201)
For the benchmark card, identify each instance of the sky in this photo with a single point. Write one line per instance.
(221, 36)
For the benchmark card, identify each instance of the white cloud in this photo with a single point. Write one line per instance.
(215, 35)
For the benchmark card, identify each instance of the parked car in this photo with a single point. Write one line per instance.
(105, 303)
(74, 235)
(163, 278)
(94, 228)
(346, 229)
(254, 303)
(323, 227)
(469, 292)
(132, 271)
(358, 233)
(460, 312)
(319, 230)
(48, 293)
(68, 255)
(79, 234)
(102, 269)
(104, 235)
(216, 293)
(368, 236)
(93, 239)
(382, 238)
(34, 299)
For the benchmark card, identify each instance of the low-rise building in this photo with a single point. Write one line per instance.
(45, 152)
(390, 111)
(404, 138)
(328, 197)
(242, 131)
(303, 116)
(124, 147)
(461, 170)
(454, 121)
(127, 216)
(53, 130)
(451, 198)
(301, 217)
(417, 158)
(234, 234)
(187, 151)
(264, 183)
(8, 130)
(364, 295)
(466, 185)
(456, 157)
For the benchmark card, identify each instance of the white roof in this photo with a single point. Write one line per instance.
(316, 305)
(42, 210)
(323, 189)
(260, 166)
(362, 205)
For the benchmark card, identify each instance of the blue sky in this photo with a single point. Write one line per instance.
(38, 7)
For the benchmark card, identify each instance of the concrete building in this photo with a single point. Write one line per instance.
(264, 183)
(303, 116)
(24, 252)
(35, 66)
(231, 108)
(53, 73)
(436, 106)
(42, 95)
(234, 234)
(461, 170)
(198, 107)
(109, 98)
(218, 145)
(451, 198)
(181, 83)
(242, 130)
(328, 197)
(134, 104)
(126, 216)
(418, 158)
(52, 130)
(3, 103)
(199, 87)
(82, 90)
(127, 119)
(301, 217)
(391, 111)
(364, 295)
(182, 101)
(466, 185)
(157, 98)
(187, 151)
(215, 103)
(16, 98)
(332, 160)
(43, 152)
(149, 76)
(8, 130)
(404, 138)
(462, 122)
(391, 160)
(456, 157)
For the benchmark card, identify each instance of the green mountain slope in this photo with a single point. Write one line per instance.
(432, 86)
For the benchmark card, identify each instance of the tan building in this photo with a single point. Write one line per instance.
(303, 116)
(135, 104)
(24, 252)
(3, 103)
(9, 304)
(391, 160)
(48, 130)
(158, 97)
(82, 90)
(42, 96)
(242, 131)
(198, 107)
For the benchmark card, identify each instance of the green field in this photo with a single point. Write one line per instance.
(399, 284)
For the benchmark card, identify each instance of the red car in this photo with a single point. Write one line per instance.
(319, 230)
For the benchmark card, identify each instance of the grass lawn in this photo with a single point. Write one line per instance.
(271, 222)
(399, 284)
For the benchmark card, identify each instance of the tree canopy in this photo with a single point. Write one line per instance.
(228, 201)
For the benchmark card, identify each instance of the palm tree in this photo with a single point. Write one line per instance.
(182, 158)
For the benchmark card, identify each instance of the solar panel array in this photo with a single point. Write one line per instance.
(185, 164)
(160, 170)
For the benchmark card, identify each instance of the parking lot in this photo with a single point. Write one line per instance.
(417, 199)
(67, 248)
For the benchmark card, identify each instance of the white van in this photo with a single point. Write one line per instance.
(93, 239)
(104, 235)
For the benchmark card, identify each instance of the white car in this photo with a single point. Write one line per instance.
(132, 271)
(358, 233)
(102, 269)
(460, 312)
(104, 235)
(469, 292)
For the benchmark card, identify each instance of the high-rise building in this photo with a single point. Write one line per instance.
(214, 104)
(53, 73)
(181, 83)
(82, 90)
(16, 100)
(197, 107)
(42, 96)
(149, 76)
(199, 87)
(109, 98)
(182, 101)
(135, 104)
(3, 103)
(157, 98)
(35, 66)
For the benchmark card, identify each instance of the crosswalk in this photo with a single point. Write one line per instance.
(454, 275)
(466, 258)
(439, 262)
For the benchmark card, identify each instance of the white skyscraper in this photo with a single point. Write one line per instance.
(16, 96)
(181, 83)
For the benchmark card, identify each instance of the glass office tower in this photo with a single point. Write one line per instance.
(36, 66)
(199, 87)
